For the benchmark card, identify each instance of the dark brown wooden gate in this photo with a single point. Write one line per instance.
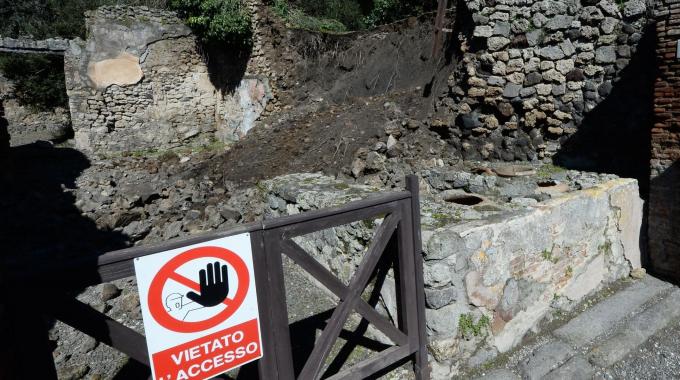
(397, 236)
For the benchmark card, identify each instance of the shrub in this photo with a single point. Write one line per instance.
(301, 20)
(347, 12)
(386, 11)
(217, 20)
(343, 15)
(38, 79)
(52, 18)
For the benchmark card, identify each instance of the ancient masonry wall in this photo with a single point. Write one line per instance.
(140, 82)
(489, 280)
(27, 45)
(531, 70)
(26, 125)
(664, 201)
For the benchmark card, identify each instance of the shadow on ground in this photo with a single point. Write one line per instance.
(40, 231)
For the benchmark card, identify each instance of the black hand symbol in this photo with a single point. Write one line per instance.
(215, 289)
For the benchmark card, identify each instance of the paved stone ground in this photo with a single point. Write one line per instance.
(632, 334)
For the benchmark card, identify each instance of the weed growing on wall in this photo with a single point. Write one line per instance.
(467, 327)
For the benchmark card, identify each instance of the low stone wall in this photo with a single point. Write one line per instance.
(25, 124)
(27, 45)
(493, 272)
(140, 82)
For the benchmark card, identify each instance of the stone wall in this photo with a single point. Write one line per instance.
(664, 212)
(140, 82)
(532, 70)
(28, 45)
(25, 124)
(494, 271)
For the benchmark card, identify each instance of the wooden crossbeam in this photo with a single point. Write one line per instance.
(377, 363)
(439, 28)
(84, 318)
(323, 275)
(312, 368)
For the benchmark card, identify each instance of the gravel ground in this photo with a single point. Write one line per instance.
(658, 358)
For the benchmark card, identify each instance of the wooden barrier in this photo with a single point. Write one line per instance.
(397, 237)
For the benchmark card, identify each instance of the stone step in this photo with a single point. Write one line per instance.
(604, 316)
(545, 359)
(576, 368)
(499, 374)
(636, 331)
(600, 336)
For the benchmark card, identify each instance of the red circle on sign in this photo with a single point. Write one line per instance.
(168, 271)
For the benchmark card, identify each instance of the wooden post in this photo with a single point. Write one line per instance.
(277, 309)
(422, 369)
(439, 28)
(267, 363)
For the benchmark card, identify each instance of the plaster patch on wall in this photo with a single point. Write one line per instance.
(254, 94)
(123, 70)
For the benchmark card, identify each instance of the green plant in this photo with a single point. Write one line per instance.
(546, 171)
(298, 19)
(38, 79)
(386, 11)
(468, 327)
(569, 272)
(281, 8)
(343, 15)
(217, 20)
(441, 219)
(346, 12)
(52, 18)
(605, 248)
(621, 4)
(548, 255)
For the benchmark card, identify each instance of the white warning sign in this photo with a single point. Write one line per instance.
(199, 306)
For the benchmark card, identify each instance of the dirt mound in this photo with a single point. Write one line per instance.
(361, 64)
(324, 140)
(340, 96)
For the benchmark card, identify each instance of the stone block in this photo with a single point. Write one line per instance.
(484, 31)
(605, 54)
(497, 43)
(511, 90)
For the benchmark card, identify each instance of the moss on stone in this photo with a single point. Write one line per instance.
(468, 327)
(546, 171)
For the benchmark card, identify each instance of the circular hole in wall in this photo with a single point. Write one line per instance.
(547, 183)
(464, 199)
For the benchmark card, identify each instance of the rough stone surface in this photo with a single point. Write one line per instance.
(637, 331)
(578, 41)
(545, 359)
(576, 368)
(593, 323)
(28, 45)
(499, 374)
(26, 125)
